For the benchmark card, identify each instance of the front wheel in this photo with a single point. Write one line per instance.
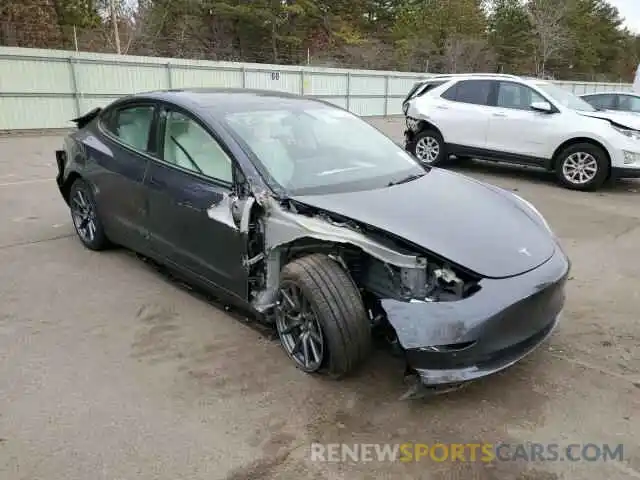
(429, 148)
(582, 166)
(320, 318)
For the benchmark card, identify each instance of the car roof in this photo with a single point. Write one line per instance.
(220, 101)
(615, 92)
(470, 76)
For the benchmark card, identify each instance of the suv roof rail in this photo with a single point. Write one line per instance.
(453, 75)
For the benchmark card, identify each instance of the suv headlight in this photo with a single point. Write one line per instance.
(535, 212)
(627, 132)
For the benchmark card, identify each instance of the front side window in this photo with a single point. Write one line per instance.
(629, 103)
(313, 149)
(516, 96)
(476, 92)
(188, 145)
(565, 97)
(132, 125)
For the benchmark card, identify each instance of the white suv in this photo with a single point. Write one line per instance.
(523, 121)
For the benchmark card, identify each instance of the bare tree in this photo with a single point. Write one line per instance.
(547, 19)
(467, 54)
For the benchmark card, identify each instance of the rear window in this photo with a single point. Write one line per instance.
(476, 92)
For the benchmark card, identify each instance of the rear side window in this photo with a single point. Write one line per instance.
(132, 125)
(429, 86)
(604, 102)
(422, 88)
(476, 92)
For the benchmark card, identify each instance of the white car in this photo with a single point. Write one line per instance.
(617, 101)
(523, 121)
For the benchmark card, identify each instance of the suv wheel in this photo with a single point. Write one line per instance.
(583, 166)
(429, 148)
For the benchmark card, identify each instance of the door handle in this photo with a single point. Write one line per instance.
(442, 107)
(501, 115)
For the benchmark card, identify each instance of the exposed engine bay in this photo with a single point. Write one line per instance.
(382, 266)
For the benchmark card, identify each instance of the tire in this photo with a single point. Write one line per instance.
(592, 156)
(426, 140)
(336, 314)
(84, 215)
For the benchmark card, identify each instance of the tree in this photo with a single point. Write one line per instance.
(547, 18)
(425, 31)
(29, 23)
(510, 35)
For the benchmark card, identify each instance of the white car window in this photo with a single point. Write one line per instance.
(475, 92)
(516, 96)
(565, 97)
(603, 102)
(629, 103)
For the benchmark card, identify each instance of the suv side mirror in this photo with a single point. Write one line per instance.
(544, 107)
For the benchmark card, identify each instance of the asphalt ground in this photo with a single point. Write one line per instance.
(110, 370)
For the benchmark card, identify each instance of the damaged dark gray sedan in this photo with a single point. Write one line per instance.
(320, 225)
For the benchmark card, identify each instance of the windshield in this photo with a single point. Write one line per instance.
(319, 150)
(565, 97)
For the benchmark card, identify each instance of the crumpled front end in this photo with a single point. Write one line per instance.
(456, 342)
(451, 325)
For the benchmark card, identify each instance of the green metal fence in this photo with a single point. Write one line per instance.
(44, 89)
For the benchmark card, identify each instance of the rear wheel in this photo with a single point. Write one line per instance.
(582, 166)
(321, 319)
(85, 216)
(429, 148)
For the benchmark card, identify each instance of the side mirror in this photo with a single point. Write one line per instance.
(544, 107)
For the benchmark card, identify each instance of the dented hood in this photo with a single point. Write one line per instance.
(460, 219)
(626, 119)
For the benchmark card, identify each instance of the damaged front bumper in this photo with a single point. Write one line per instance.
(456, 342)
(409, 140)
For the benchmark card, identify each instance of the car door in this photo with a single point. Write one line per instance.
(121, 151)
(462, 113)
(194, 172)
(515, 128)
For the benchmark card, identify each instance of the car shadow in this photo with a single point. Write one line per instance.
(382, 375)
(536, 175)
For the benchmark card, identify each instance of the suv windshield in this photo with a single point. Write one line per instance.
(320, 150)
(565, 97)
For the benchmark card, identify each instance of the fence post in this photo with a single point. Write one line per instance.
(302, 82)
(74, 84)
(244, 77)
(386, 95)
(349, 91)
(169, 76)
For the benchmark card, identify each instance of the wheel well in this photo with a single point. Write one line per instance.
(575, 141)
(66, 186)
(425, 125)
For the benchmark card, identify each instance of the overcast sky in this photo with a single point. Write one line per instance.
(630, 11)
